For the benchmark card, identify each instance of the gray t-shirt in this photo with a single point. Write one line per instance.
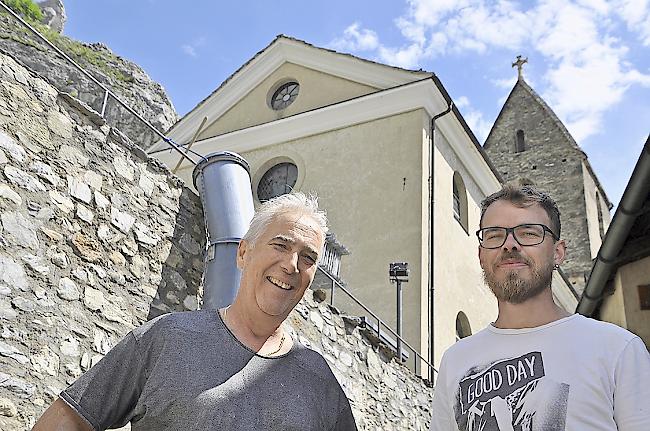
(187, 371)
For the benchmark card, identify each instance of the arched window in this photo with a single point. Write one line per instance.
(463, 329)
(520, 144)
(459, 197)
(601, 223)
(277, 180)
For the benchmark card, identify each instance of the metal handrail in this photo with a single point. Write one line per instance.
(107, 91)
(379, 321)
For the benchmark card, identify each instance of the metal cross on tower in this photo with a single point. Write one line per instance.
(520, 64)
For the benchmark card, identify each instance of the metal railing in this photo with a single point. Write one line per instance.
(380, 323)
(107, 92)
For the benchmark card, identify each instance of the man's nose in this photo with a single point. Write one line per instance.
(290, 263)
(511, 243)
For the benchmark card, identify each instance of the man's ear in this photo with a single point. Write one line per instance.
(242, 249)
(560, 252)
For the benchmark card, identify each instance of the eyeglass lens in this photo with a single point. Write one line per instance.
(524, 234)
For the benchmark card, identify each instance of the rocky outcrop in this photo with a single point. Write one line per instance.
(126, 79)
(53, 14)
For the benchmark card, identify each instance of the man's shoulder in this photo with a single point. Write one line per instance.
(602, 332)
(467, 344)
(311, 362)
(192, 321)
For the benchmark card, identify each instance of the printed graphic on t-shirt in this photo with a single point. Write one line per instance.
(511, 394)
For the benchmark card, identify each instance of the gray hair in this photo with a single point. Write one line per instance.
(283, 204)
(523, 193)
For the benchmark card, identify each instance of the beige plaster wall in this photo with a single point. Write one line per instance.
(591, 205)
(369, 179)
(632, 275)
(458, 280)
(317, 89)
(613, 307)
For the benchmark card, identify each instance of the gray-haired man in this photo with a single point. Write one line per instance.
(231, 369)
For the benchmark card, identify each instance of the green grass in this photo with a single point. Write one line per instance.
(85, 54)
(26, 8)
(82, 54)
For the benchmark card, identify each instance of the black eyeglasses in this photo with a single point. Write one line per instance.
(524, 234)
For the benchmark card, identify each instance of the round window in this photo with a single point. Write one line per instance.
(278, 180)
(285, 95)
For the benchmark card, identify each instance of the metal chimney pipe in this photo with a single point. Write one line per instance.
(224, 184)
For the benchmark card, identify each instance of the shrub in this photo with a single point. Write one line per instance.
(26, 8)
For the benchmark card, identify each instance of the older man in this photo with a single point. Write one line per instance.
(231, 369)
(537, 367)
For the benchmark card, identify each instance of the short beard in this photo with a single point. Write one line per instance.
(515, 290)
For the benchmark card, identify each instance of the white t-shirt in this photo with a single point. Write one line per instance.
(572, 374)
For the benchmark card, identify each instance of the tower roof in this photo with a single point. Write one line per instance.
(522, 85)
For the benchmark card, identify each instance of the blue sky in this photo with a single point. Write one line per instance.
(589, 59)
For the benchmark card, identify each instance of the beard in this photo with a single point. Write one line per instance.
(513, 288)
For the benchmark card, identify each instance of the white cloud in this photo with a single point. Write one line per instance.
(636, 14)
(475, 119)
(356, 38)
(191, 48)
(584, 71)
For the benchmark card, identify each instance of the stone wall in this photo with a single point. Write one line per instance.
(95, 238)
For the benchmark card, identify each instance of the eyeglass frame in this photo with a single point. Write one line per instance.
(511, 230)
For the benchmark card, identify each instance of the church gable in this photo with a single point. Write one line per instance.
(526, 121)
(327, 77)
(303, 88)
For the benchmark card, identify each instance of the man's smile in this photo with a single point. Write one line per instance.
(278, 283)
(512, 264)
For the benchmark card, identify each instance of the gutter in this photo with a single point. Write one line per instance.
(431, 226)
(631, 204)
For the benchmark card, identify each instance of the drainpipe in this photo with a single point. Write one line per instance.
(431, 226)
(630, 206)
(224, 184)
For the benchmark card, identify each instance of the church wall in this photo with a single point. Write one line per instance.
(607, 215)
(317, 89)
(369, 179)
(553, 163)
(632, 275)
(458, 280)
(613, 307)
(592, 204)
(96, 238)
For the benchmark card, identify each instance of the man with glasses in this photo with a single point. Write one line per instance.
(537, 367)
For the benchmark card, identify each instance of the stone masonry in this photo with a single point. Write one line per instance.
(552, 160)
(96, 238)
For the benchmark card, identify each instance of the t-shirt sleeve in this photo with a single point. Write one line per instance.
(632, 378)
(441, 411)
(106, 394)
(345, 421)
